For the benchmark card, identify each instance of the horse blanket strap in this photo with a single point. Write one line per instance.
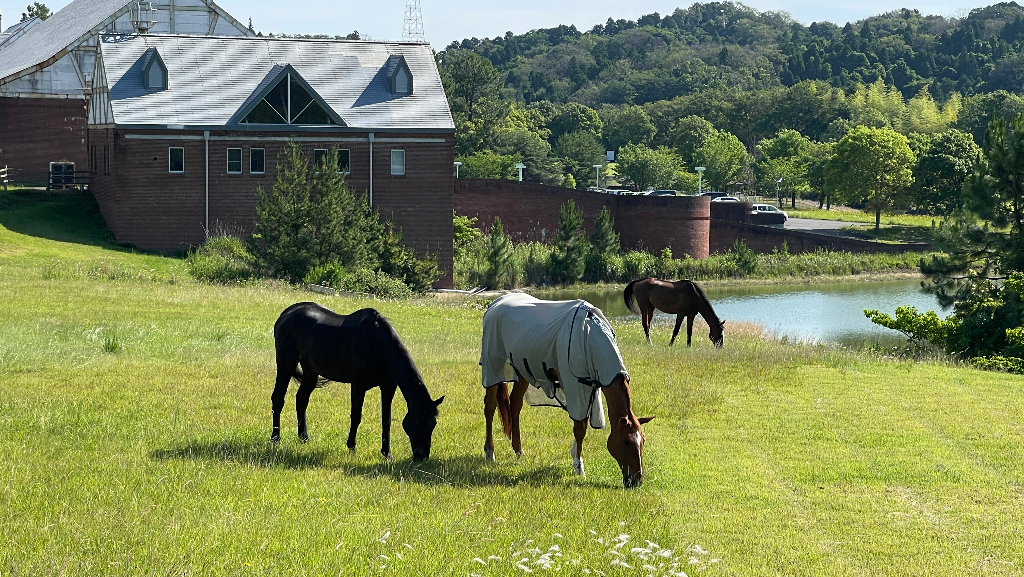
(571, 337)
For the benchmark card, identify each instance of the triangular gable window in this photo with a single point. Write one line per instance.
(399, 75)
(288, 100)
(154, 71)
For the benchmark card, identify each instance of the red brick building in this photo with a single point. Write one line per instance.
(48, 68)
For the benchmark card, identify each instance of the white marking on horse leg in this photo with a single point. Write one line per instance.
(489, 454)
(577, 460)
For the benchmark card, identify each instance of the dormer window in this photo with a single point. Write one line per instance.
(399, 76)
(286, 98)
(154, 72)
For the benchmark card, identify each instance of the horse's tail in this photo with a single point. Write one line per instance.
(504, 409)
(630, 298)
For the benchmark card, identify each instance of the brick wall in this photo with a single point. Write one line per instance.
(149, 207)
(529, 212)
(762, 239)
(37, 131)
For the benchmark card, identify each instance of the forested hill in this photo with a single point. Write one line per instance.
(726, 46)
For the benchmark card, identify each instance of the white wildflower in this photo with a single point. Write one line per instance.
(384, 557)
(559, 535)
(652, 544)
(524, 568)
(407, 546)
(554, 548)
(384, 537)
(493, 558)
(479, 560)
(697, 549)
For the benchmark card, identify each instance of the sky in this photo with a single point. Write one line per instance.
(447, 20)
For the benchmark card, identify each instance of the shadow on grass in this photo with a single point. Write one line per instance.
(65, 217)
(459, 471)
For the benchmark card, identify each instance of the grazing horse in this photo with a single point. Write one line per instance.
(559, 353)
(683, 298)
(362, 349)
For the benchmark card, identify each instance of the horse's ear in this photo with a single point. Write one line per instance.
(439, 401)
(645, 420)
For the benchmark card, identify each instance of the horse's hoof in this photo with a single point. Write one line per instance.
(577, 461)
(387, 456)
(352, 449)
(489, 455)
(304, 438)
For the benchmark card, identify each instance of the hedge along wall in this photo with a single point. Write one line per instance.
(529, 212)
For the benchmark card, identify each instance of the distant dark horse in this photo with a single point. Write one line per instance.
(682, 298)
(361, 348)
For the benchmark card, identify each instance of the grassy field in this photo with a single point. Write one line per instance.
(135, 406)
(912, 220)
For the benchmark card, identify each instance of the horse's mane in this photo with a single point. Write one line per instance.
(706, 301)
(400, 364)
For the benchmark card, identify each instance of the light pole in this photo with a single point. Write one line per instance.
(457, 165)
(700, 178)
(597, 169)
(520, 166)
(778, 190)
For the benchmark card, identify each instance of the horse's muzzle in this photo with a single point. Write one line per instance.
(632, 481)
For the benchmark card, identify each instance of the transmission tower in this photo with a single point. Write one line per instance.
(413, 29)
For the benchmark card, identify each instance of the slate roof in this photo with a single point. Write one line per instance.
(14, 32)
(54, 35)
(211, 77)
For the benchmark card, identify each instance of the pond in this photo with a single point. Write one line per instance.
(831, 312)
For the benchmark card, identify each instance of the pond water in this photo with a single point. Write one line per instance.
(831, 312)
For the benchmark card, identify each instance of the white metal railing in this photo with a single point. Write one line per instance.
(3, 177)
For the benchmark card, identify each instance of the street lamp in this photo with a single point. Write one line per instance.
(520, 166)
(778, 190)
(457, 165)
(597, 168)
(700, 178)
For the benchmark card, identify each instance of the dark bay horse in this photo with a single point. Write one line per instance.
(361, 348)
(683, 298)
(561, 353)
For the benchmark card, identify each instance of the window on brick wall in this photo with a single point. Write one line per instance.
(318, 156)
(92, 159)
(397, 162)
(176, 159)
(234, 161)
(257, 161)
(344, 157)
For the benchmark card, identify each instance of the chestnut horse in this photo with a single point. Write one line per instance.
(683, 298)
(571, 349)
(361, 348)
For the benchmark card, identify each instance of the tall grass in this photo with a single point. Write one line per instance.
(531, 265)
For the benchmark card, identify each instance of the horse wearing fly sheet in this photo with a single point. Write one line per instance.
(559, 353)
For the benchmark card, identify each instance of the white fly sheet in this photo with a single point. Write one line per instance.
(529, 337)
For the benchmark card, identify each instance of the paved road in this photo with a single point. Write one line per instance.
(831, 227)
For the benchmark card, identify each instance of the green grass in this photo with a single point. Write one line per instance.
(909, 220)
(135, 412)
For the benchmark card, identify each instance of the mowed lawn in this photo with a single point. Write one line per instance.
(135, 424)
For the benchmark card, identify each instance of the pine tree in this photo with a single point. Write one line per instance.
(499, 256)
(604, 245)
(571, 247)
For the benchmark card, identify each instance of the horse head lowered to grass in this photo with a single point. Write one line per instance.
(361, 348)
(683, 298)
(561, 354)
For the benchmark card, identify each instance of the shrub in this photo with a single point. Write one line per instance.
(571, 247)
(331, 274)
(376, 283)
(221, 259)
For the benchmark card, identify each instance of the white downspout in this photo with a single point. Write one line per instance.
(206, 231)
(371, 169)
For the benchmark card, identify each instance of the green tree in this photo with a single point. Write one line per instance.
(36, 10)
(575, 117)
(723, 156)
(467, 78)
(645, 168)
(604, 245)
(873, 166)
(534, 152)
(995, 191)
(580, 151)
(783, 164)
(487, 164)
(940, 172)
(310, 219)
(688, 134)
(465, 232)
(499, 257)
(627, 125)
(568, 258)
(817, 170)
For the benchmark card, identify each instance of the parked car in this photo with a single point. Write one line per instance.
(767, 208)
(666, 192)
(725, 199)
